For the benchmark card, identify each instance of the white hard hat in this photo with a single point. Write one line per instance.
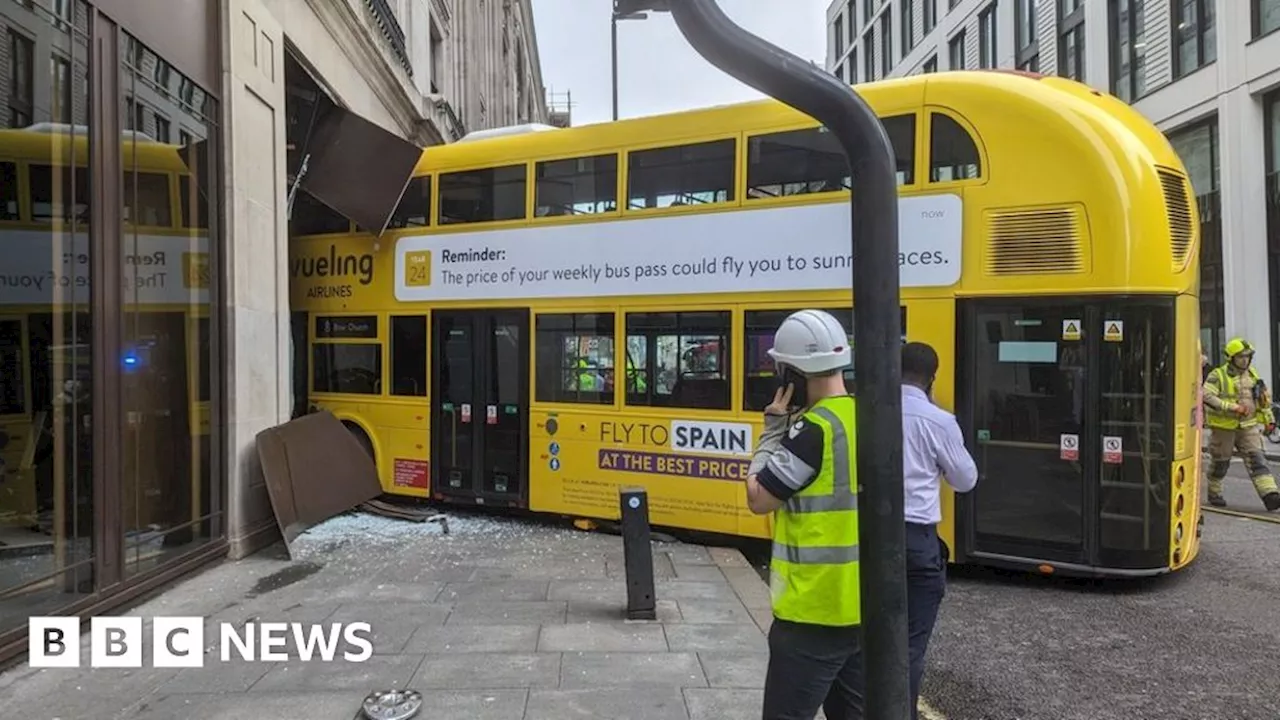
(812, 342)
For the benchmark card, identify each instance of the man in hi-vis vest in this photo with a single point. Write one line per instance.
(1237, 406)
(804, 471)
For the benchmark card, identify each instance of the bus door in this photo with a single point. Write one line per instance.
(480, 413)
(1067, 410)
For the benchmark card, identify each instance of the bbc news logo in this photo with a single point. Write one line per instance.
(178, 642)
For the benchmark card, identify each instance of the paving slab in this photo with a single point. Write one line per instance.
(456, 671)
(716, 704)
(645, 703)
(495, 590)
(630, 669)
(542, 612)
(734, 669)
(502, 619)
(589, 611)
(603, 637)
(686, 637)
(379, 671)
(390, 624)
(474, 639)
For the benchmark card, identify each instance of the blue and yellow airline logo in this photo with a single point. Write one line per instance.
(417, 268)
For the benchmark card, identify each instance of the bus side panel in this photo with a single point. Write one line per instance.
(404, 436)
(1184, 497)
(933, 321)
(579, 461)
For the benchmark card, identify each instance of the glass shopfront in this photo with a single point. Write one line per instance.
(109, 371)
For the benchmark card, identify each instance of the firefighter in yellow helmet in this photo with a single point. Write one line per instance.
(1237, 406)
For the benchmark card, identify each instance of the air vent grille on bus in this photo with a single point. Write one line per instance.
(1177, 203)
(1045, 241)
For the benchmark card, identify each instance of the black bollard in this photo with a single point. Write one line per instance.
(637, 552)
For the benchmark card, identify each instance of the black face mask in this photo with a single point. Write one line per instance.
(800, 387)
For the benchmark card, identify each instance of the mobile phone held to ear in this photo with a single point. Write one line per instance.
(799, 388)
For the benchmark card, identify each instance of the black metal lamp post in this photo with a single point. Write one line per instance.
(613, 46)
(877, 339)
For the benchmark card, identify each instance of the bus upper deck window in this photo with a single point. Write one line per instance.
(576, 186)
(682, 175)
(415, 205)
(953, 155)
(901, 130)
(8, 191)
(795, 162)
(484, 195)
(312, 217)
(54, 194)
(146, 199)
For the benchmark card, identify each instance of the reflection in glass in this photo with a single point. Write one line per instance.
(1028, 386)
(46, 467)
(166, 360)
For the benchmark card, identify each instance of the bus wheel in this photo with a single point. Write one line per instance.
(361, 437)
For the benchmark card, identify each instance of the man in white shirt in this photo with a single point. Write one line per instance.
(932, 446)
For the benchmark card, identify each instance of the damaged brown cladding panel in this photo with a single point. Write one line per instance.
(314, 469)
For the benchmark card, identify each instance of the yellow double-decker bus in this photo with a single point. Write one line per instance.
(46, 337)
(556, 314)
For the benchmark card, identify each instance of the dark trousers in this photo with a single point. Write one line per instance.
(812, 666)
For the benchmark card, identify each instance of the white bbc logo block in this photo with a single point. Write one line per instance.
(53, 642)
(116, 642)
(177, 642)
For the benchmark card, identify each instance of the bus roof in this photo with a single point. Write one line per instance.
(1036, 94)
(32, 144)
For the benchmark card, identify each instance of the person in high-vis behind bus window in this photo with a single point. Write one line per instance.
(804, 471)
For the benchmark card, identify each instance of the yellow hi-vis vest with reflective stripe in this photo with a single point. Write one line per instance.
(815, 536)
(1229, 391)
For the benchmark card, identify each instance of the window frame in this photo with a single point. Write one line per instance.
(988, 37)
(624, 175)
(959, 40)
(930, 64)
(1201, 45)
(1134, 87)
(759, 202)
(396, 216)
(930, 17)
(390, 363)
(886, 43)
(837, 39)
(730, 369)
(382, 342)
(907, 18)
(1069, 25)
(612, 399)
(868, 57)
(19, 172)
(1255, 19)
(984, 168)
(618, 186)
(437, 195)
(1024, 55)
(20, 106)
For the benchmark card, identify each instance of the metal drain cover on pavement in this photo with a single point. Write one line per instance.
(392, 704)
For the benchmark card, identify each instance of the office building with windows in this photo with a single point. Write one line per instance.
(147, 151)
(1207, 72)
